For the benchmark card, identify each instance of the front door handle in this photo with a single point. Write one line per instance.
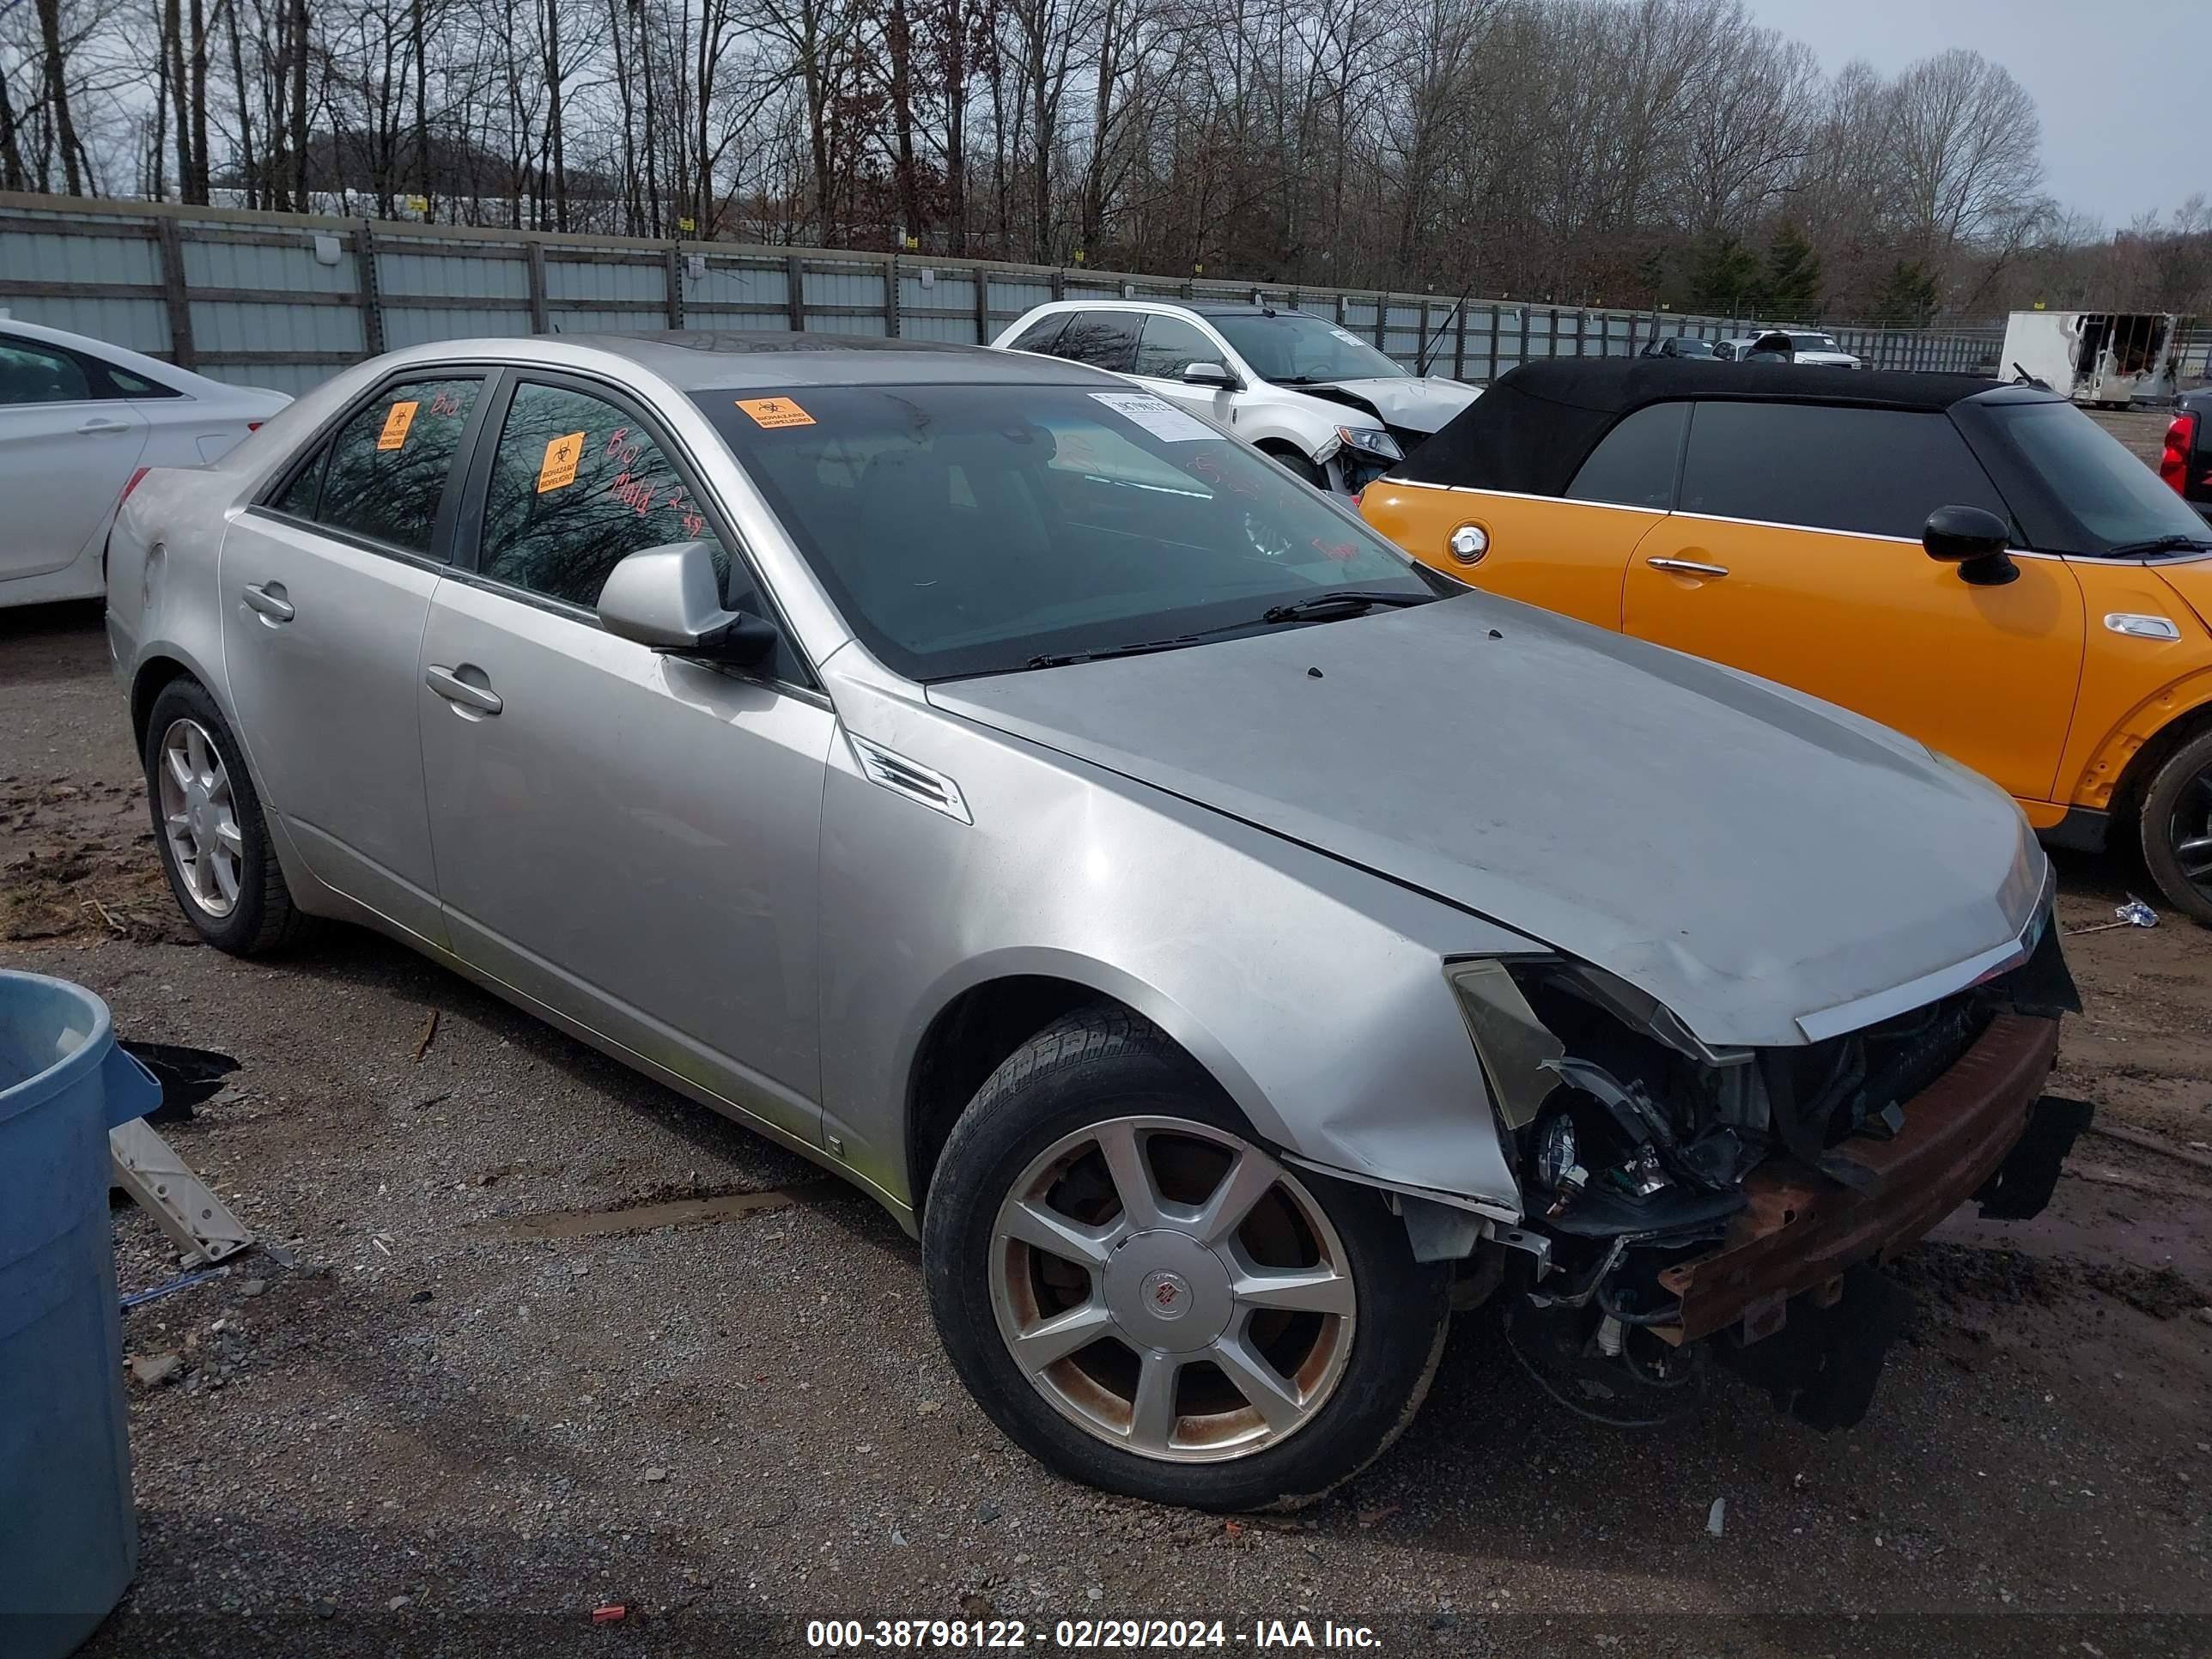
(104, 424)
(1688, 567)
(268, 598)
(453, 689)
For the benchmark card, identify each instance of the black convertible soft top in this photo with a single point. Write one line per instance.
(1530, 431)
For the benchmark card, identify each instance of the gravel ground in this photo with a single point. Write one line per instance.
(522, 1357)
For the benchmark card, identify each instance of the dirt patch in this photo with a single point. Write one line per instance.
(613, 1221)
(1959, 1275)
(87, 865)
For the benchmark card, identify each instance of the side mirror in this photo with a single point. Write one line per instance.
(1974, 540)
(1216, 375)
(670, 599)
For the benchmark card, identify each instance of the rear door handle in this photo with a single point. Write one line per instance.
(102, 423)
(1688, 567)
(268, 598)
(455, 690)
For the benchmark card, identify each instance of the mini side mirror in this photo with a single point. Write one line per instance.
(1973, 538)
(1213, 374)
(668, 598)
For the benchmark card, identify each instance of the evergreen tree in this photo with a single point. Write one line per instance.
(1908, 295)
(1726, 279)
(1793, 274)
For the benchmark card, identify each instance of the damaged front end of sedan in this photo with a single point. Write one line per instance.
(1684, 1202)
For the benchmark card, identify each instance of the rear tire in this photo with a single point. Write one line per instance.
(207, 818)
(1250, 1361)
(2175, 825)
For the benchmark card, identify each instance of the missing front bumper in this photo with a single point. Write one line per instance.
(1800, 1231)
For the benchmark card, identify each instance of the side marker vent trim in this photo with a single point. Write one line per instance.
(917, 782)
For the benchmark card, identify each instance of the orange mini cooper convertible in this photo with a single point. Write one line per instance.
(1979, 565)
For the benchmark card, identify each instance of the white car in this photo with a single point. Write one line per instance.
(79, 421)
(1314, 396)
(1807, 346)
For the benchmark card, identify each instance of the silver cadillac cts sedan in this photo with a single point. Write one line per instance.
(1229, 946)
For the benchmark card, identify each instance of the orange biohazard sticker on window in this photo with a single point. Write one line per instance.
(773, 412)
(396, 424)
(559, 467)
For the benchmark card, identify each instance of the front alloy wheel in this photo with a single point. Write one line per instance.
(2176, 825)
(1170, 1287)
(1146, 1299)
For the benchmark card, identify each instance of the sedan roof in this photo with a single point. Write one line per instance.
(707, 360)
(1530, 432)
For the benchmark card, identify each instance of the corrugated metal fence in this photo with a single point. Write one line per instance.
(283, 299)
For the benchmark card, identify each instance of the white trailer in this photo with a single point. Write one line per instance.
(2108, 358)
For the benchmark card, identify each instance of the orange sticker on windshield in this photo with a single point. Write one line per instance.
(772, 412)
(559, 467)
(396, 424)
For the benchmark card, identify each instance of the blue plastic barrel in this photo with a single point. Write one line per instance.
(68, 1532)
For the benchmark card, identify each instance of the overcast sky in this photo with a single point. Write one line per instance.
(2109, 79)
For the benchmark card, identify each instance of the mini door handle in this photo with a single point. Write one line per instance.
(455, 690)
(1688, 567)
(268, 598)
(101, 424)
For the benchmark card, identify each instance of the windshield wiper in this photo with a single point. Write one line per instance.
(1344, 602)
(1061, 659)
(2173, 544)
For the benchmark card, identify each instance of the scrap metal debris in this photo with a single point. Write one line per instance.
(168, 1287)
(429, 1037)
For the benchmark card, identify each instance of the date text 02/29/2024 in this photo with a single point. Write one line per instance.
(1085, 1635)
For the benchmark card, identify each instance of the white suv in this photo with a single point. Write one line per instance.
(1807, 346)
(1317, 396)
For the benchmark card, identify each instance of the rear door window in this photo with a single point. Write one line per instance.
(1103, 339)
(1870, 471)
(1633, 464)
(1039, 335)
(32, 374)
(388, 463)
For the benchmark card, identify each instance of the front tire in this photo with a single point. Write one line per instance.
(1146, 1299)
(208, 824)
(2175, 824)
(1299, 466)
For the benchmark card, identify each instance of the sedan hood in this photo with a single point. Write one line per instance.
(1749, 856)
(1417, 403)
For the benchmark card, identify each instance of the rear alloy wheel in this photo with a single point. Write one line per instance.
(2176, 826)
(208, 824)
(1146, 1299)
(199, 818)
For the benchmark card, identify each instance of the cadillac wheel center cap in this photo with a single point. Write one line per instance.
(1167, 1294)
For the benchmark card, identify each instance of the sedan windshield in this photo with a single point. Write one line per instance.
(977, 529)
(1292, 348)
(2118, 501)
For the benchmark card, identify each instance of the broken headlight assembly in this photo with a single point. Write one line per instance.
(1632, 1139)
(1370, 441)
